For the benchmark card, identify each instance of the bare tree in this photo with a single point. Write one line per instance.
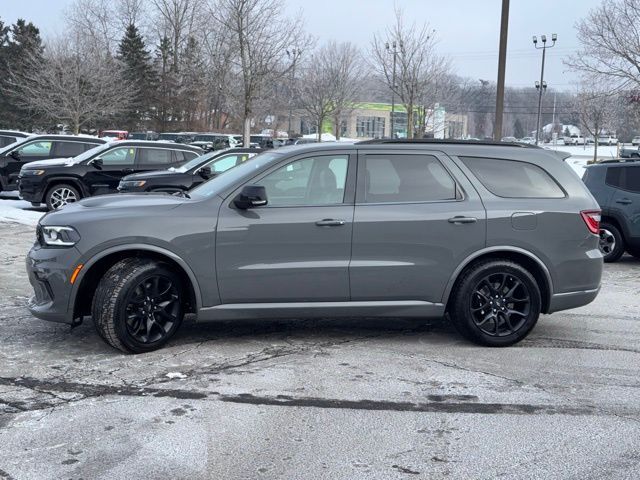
(595, 108)
(416, 64)
(348, 71)
(260, 35)
(69, 85)
(610, 40)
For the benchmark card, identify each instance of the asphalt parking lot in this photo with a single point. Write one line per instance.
(331, 399)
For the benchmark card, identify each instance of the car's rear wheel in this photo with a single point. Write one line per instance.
(60, 195)
(611, 242)
(138, 305)
(495, 303)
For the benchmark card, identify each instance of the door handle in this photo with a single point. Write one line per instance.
(330, 222)
(461, 220)
(624, 201)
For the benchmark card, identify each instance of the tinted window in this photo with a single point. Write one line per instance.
(36, 149)
(4, 141)
(155, 156)
(119, 156)
(406, 178)
(69, 149)
(513, 179)
(625, 178)
(310, 181)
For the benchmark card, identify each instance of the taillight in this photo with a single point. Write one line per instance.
(592, 219)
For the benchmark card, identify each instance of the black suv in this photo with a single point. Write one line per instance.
(97, 171)
(39, 147)
(616, 186)
(189, 175)
(7, 137)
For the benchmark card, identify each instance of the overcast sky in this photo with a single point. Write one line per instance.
(468, 29)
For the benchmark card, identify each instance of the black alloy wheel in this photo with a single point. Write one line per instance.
(500, 304)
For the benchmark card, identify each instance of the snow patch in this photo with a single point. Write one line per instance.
(18, 211)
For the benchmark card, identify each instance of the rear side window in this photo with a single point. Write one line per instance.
(68, 149)
(406, 178)
(155, 156)
(625, 178)
(4, 141)
(513, 179)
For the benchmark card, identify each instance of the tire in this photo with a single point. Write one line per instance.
(35, 204)
(634, 252)
(611, 242)
(123, 306)
(60, 195)
(490, 324)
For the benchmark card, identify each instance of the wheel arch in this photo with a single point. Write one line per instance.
(76, 182)
(614, 219)
(519, 255)
(95, 268)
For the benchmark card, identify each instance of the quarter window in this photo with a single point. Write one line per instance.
(406, 178)
(310, 181)
(513, 179)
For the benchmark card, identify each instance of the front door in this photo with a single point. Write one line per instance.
(28, 152)
(296, 248)
(626, 199)
(116, 163)
(414, 223)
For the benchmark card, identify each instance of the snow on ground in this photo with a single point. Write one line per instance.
(12, 209)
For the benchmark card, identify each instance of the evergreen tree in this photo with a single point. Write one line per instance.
(165, 112)
(16, 42)
(140, 73)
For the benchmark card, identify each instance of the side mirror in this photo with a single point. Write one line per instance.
(251, 196)
(15, 155)
(205, 172)
(96, 163)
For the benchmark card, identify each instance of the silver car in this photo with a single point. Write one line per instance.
(492, 234)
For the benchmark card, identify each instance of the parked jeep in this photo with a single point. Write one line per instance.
(615, 184)
(491, 233)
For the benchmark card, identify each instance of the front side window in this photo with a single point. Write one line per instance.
(406, 178)
(223, 164)
(36, 149)
(155, 156)
(119, 156)
(513, 179)
(311, 181)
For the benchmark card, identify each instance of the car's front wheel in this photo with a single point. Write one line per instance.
(60, 195)
(495, 303)
(138, 305)
(611, 242)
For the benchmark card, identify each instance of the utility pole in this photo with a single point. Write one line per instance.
(543, 85)
(393, 49)
(502, 60)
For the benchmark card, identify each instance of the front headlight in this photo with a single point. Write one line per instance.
(57, 236)
(31, 173)
(132, 183)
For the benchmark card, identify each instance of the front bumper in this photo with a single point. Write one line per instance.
(31, 189)
(49, 271)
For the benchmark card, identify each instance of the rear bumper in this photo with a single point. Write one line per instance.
(566, 301)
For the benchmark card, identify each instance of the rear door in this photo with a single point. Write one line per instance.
(626, 199)
(149, 159)
(416, 219)
(116, 163)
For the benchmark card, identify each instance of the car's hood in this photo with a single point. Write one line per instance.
(48, 163)
(151, 174)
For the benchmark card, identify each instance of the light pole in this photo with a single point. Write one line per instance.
(293, 54)
(544, 47)
(393, 49)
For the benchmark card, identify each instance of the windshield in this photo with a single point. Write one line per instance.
(246, 169)
(196, 161)
(14, 144)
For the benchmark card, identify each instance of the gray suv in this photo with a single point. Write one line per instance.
(492, 234)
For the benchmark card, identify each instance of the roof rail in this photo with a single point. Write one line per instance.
(446, 141)
(620, 160)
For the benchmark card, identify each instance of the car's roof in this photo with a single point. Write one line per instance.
(616, 162)
(17, 133)
(58, 136)
(149, 143)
